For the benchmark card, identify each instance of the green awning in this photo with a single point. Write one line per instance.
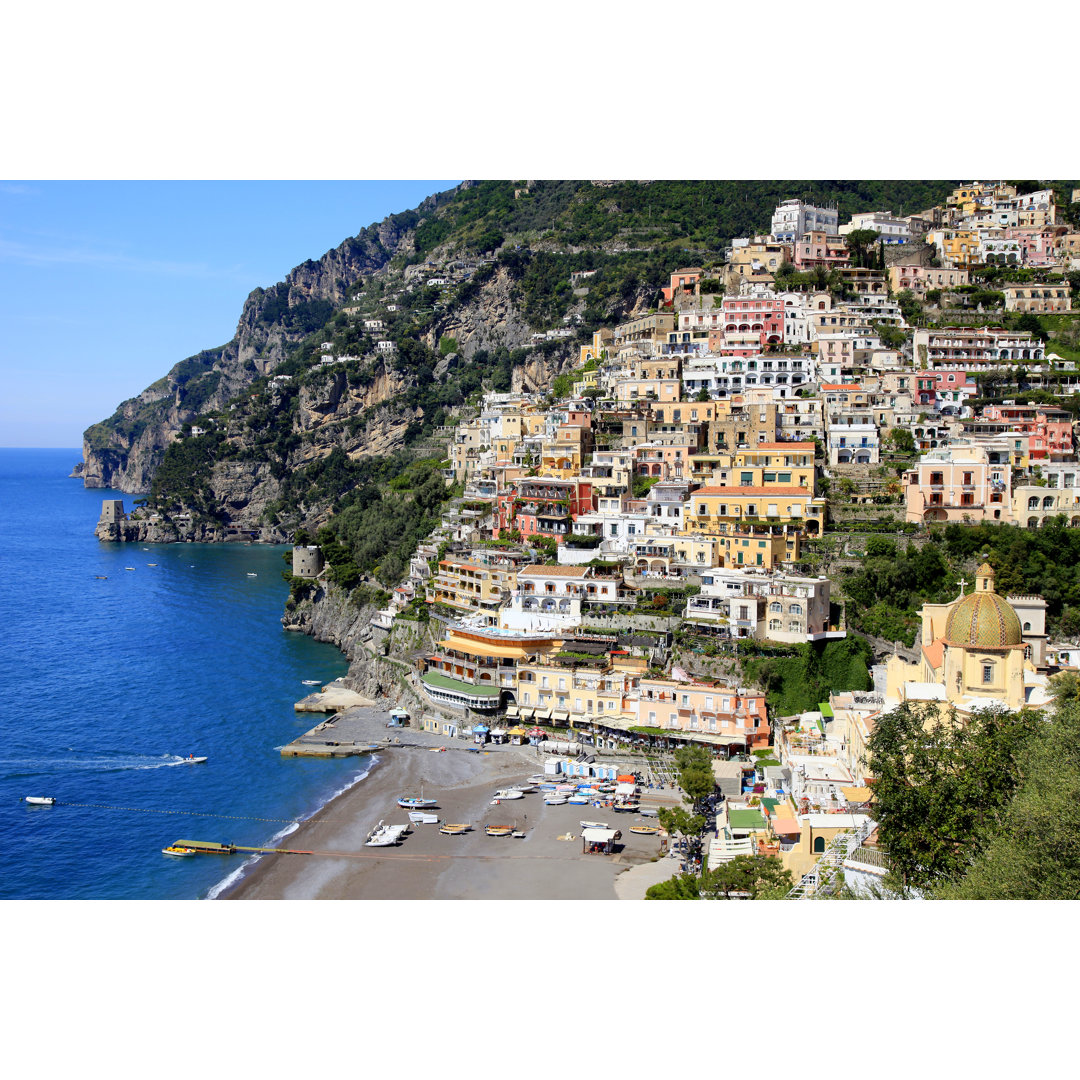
(826, 710)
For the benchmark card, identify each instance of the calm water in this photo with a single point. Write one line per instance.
(108, 684)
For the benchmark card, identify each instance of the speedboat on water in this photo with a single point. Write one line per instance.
(310, 682)
(191, 759)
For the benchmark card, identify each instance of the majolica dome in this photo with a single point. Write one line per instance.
(983, 620)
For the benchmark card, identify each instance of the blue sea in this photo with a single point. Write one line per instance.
(109, 684)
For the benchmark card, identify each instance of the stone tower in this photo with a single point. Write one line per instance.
(307, 561)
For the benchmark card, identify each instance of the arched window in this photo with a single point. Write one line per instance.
(776, 624)
(796, 609)
(1033, 503)
(819, 845)
(1027, 627)
(776, 606)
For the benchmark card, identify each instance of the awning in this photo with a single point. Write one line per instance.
(598, 836)
(519, 731)
(536, 733)
(856, 794)
(543, 714)
(786, 826)
(560, 714)
(512, 711)
(481, 727)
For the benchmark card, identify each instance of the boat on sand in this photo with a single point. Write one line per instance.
(499, 830)
(454, 829)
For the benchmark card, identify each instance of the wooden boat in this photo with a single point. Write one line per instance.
(39, 800)
(454, 830)
(179, 852)
(499, 830)
(644, 830)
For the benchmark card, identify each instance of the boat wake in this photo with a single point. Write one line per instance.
(105, 762)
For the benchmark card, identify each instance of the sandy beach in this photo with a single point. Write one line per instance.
(470, 866)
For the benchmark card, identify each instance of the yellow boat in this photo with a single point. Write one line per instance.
(454, 830)
(644, 830)
(499, 830)
(179, 852)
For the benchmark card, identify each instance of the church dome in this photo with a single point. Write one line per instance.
(983, 620)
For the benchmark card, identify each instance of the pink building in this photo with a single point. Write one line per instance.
(733, 715)
(666, 462)
(1038, 247)
(763, 315)
(957, 483)
(820, 249)
(1049, 430)
(682, 282)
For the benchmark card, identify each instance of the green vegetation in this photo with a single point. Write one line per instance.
(795, 684)
(759, 877)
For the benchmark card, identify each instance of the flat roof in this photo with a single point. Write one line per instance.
(444, 682)
(539, 570)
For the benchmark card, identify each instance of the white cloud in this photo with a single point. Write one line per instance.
(16, 189)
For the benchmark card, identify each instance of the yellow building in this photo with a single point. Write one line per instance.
(597, 349)
(973, 653)
(475, 585)
(749, 547)
(727, 505)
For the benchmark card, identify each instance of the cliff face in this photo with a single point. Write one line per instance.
(124, 451)
(329, 616)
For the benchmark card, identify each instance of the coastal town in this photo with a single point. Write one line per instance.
(672, 506)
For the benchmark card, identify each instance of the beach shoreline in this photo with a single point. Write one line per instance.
(430, 865)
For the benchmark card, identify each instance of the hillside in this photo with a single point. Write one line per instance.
(244, 437)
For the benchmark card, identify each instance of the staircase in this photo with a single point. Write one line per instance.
(821, 880)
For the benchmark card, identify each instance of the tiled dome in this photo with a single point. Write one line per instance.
(983, 620)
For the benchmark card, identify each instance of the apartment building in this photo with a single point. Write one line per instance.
(479, 582)
(956, 483)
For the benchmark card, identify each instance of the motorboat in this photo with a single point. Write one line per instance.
(386, 835)
(151, 564)
(129, 567)
(191, 759)
(38, 800)
(644, 830)
(310, 682)
(508, 793)
(454, 830)
(419, 817)
(499, 830)
(518, 835)
(179, 852)
(252, 575)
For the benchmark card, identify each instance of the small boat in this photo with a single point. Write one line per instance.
(418, 817)
(566, 789)
(525, 789)
(412, 801)
(191, 759)
(625, 808)
(644, 830)
(594, 824)
(129, 567)
(555, 799)
(40, 801)
(499, 830)
(101, 577)
(508, 793)
(649, 811)
(179, 852)
(454, 830)
(151, 564)
(252, 575)
(385, 835)
(436, 749)
(519, 835)
(310, 682)
(579, 800)
(539, 778)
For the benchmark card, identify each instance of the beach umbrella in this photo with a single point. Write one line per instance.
(481, 727)
(536, 732)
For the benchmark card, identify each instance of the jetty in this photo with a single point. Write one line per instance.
(346, 734)
(334, 697)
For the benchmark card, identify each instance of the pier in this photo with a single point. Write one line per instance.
(346, 734)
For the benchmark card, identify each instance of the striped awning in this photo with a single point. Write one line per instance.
(543, 714)
(560, 714)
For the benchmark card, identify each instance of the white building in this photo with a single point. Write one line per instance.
(893, 230)
(793, 219)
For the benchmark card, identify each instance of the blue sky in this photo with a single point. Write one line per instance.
(105, 285)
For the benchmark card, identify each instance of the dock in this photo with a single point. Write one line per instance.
(347, 734)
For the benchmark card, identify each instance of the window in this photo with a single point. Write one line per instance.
(988, 673)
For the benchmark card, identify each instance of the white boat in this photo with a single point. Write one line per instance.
(177, 852)
(40, 801)
(385, 835)
(420, 818)
(555, 799)
(129, 567)
(252, 575)
(310, 682)
(525, 789)
(416, 802)
(191, 759)
(594, 824)
(579, 800)
(649, 811)
(508, 793)
(539, 778)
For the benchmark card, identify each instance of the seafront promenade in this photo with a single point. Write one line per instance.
(431, 865)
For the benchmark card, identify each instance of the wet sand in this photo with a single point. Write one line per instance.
(430, 865)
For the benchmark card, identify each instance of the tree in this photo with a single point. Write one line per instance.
(1035, 854)
(761, 876)
(942, 786)
(901, 440)
(702, 395)
(861, 246)
(695, 773)
(680, 887)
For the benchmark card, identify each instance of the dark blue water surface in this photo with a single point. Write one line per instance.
(108, 684)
